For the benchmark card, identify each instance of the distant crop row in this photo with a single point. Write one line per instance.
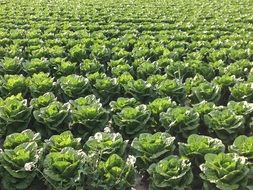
(94, 95)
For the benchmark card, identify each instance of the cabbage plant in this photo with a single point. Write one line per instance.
(122, 102)
(172, 88)
(131, 121)
(73, 86)
(225, 124)
(52, 118)
(40, 83)
(224, 171)
(113, 173)
(18, 166)
(158, 106)
(43, 100)
(172, 172)
(181, 121)
(242, 91)
(15, 114)
(87, 115)
(12, 85)
(106, 89)
(15, 139)
(36, 65)
(61, 169)
(243, 146)
(9, 65)
(66, 139)
(206, 91)
(104, 144)
(90, 66)
(150, 148)
(198, 146)
(139, 89)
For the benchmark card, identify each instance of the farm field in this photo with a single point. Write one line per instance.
(123, 95)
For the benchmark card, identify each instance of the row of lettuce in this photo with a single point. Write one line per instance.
(192, 90)
(86, 115)
(107, 161)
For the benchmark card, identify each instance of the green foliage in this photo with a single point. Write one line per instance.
(224, 171)
(121, 102)
(172, 172)
(12, 85)
(173, 89)
(90, 66)
(15, 115)
(131, 121)
(15, 139)
(43, 100)
(181, 121)
(104, 144)
(62, 168)
(40, 83)
(243, 146)
(198, 146)
(66, 139)
(73, 86)
(225, 124)
(17, 166)
(150, 148)
(11, 65)
(36, 65)
(88, 115)
(52, 118)
(113, 173)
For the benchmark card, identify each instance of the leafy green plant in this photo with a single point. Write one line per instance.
(198, 146)
(156, 79)
(242, 91)
(150, 148)
(105, 144)
(61, 169)
(181, 121)
(243, 146)
(17, 166)
(62, 67)
(36, 65)
(87, 115)
(225, 124)
(121, 102)
(146, 69)
(113, 173)
(15, 139)
(172, 172)
(66, 139)
(205, 91)
(73, 86)
(90, 66)
(78, 52)
(106, 89)
(15, 115)
(53, 118)
(11, 65)
(12, 85)
(173, 89)
(43, 100)
(224, 171)
(139, 89)
(40, 83)
(158, 106)
(131, 121)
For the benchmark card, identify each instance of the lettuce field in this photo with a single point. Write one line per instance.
(123, 95)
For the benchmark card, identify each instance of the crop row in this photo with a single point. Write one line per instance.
(62, 162)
